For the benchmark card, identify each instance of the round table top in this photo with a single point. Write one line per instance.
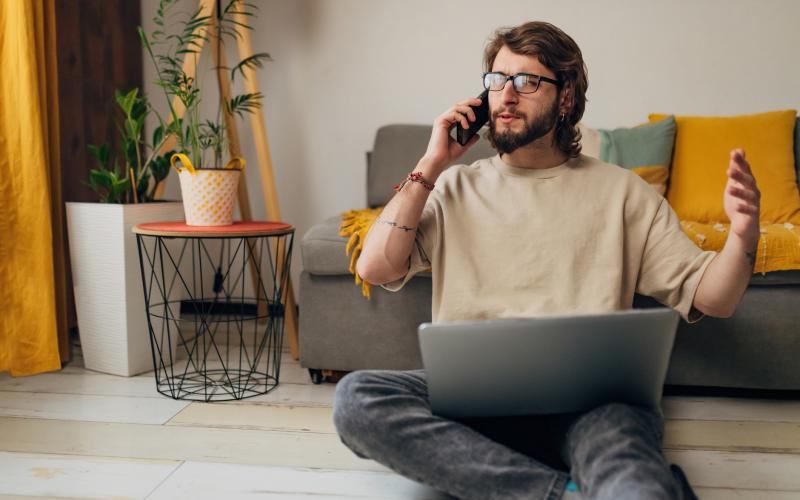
(237, 229)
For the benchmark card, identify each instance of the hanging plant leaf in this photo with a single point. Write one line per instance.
(254, 61)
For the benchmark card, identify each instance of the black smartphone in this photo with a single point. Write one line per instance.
(481, 117)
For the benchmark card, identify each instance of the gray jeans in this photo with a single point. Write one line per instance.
(611, 452)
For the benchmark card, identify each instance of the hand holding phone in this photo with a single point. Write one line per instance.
(481, 117)
(443, 148)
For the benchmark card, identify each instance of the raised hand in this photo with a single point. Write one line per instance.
(742, 199)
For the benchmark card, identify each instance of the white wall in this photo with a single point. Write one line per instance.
(345, 67)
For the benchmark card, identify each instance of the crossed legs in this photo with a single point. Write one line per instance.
(613, 451)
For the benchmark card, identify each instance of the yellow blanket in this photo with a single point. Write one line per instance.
(356, 224)
(778, 247)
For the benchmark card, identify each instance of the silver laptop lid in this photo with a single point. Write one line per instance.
(547, 364)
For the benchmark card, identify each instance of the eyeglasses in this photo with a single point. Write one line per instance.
(524, 83)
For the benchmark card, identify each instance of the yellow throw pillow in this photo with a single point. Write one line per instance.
(701, 157)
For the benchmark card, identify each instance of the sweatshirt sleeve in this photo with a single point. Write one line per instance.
(672, 265)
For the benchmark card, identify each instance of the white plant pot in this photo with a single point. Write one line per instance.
(107, 280)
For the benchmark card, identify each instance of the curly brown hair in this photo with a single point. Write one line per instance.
(558, 52)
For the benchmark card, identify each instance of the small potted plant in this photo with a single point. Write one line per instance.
(105, 264)
(208, 187)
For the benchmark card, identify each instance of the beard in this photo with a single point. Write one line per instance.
(535, 128)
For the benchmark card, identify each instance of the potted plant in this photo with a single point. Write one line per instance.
(111, 317)
(208, 186)
(105, 264)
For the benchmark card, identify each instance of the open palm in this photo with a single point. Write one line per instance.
(742, 199)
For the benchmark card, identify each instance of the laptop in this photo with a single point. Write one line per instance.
(547, 364)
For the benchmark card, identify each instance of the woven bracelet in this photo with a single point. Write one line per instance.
(415, 177)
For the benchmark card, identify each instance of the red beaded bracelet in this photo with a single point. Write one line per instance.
(414, 177)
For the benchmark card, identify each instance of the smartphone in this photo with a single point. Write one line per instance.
(481, 117)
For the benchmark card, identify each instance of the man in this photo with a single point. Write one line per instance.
(537, 229)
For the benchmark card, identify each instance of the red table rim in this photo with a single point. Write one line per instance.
(236, 227)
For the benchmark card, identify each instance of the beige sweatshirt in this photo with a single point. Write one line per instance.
(582, 237)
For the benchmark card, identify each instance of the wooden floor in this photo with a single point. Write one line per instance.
(83, 434)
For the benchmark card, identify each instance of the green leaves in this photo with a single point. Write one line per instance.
(114, 178)
(158, 136)
(105, 180)
(181, 35)
(126, 101)
(212, 136)
(244, 103)
(109, 185)
(135, 110)
(254, 61)
(159, 167)
(192, 34)
(101, 154)
(228, 23)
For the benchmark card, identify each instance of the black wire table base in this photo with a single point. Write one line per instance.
(215, 312)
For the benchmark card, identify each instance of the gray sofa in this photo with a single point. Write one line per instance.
(757, 348)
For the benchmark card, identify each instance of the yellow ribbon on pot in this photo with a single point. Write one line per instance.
(185, 162)
(236, 163)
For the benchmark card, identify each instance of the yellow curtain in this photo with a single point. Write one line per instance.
(31, 257)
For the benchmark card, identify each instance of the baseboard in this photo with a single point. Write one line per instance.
(212, 308)
(730, 392)
(222, 308)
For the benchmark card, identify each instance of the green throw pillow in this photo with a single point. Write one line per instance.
(646, 149)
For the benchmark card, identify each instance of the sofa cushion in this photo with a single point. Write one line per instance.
(702, 155)
(396, 152)
(323, 250)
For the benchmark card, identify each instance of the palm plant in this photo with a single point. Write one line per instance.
(203, 140)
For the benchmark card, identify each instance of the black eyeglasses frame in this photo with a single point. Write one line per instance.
(539, 80)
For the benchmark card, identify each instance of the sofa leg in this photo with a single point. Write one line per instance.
(316, 376)
(319, 376)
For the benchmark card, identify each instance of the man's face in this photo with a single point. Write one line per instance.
(517, 120)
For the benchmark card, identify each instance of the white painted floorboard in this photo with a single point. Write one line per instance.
(262, 417)
(89, 382)
(742, 494)
(756, 471)
(81, 477)
(718, 408)
(198, 480)
(84, 382)
(295, 386)
(82, 434)
(89, 408)
(176, 442)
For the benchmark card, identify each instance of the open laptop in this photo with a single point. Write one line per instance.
(547, 364)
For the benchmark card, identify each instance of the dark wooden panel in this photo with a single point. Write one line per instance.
(70, 98)
(98, 52)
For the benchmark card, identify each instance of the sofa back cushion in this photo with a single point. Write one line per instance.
(396, 152)
(702, 154)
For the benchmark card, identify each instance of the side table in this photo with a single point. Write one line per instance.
(223, 339)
